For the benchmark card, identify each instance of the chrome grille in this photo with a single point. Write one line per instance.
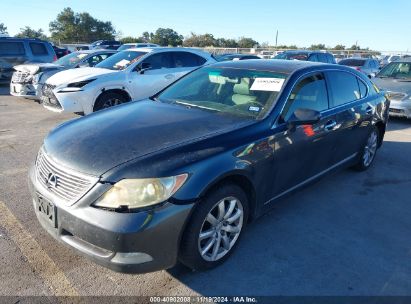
(68, 185)
(20, 77)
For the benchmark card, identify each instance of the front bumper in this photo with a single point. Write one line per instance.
(400, 108)
(72, 102)
(25, 90)
(126, 242)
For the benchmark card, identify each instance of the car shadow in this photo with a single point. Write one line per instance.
(347, 234)
(4, 89)
(398, 123)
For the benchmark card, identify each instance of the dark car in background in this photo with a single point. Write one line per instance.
(28, 79)
(395, 80)
(305, 55)
(14, 51)
(105, 44)
(233, 57)
(60, 51)
(178, 176)
(369, 67)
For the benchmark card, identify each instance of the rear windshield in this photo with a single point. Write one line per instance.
(121, 60)
(352, 62)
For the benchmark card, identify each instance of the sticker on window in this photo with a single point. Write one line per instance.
(254, 109)
(267, 84)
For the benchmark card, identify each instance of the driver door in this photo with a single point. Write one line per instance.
(158, 76)
(305, 151)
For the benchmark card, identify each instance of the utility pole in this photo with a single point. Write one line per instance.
(276, 40)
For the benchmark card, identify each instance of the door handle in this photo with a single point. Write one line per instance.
(330, 125)
(169, 76)
(369, 110)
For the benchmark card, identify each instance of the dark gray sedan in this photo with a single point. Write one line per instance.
(179, 176)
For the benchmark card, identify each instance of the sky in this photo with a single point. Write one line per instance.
(380, 25)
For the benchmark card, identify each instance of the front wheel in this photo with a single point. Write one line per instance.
(109, 99)
(215, 228)
(369, 150)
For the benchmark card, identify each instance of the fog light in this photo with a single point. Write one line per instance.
(131, 258)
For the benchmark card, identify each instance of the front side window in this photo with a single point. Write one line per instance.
(12, 48)
(96, 59)
(344, 87)
(38, 49)
(121, 60)
(227, 91)
(309, 93)
(186, 59)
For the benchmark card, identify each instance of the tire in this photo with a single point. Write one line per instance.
(369, 151)
(109, 99)
(235, 201)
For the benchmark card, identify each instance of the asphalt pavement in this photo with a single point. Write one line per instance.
(348, 234)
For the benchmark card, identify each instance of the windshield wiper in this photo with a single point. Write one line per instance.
(189, 105)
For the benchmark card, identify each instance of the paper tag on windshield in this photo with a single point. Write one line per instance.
(81, 56)
(123, 62)
(267, 84)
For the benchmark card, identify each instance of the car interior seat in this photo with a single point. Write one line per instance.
(242, 93)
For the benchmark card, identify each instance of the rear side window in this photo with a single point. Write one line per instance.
(160, 61)
(38, 49)
(12, 48)
(186, 59)
(309, 93)
(322, 58)
(344, 87)
(362, 87)
(313, 58)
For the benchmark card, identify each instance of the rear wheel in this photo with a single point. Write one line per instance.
(369, 150)
(109, 99)
(215, 228)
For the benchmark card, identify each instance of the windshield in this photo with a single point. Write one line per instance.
(396, 70)
(352, 62)
(125, 47)
(71, 60)
(121, 60)
(240, 92)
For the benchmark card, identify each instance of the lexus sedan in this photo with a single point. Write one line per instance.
(179, 176)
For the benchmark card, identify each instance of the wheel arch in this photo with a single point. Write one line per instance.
(381, 130)
(119, 90)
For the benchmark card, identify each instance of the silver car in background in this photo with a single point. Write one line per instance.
(369, 67)
(395, 79)
(27, 79)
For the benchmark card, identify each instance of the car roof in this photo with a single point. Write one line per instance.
(269, 65)
(305, 52)
(96, 51)
(22, 39)
(406, 59)
(159, 49)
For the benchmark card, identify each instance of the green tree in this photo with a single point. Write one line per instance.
(200, 40)
(319, 46)
(80, 27)
(339, 47)
(166, 37)
(130, 39)
(28, 32)
(146, 37)
(227, 43)
(3, 29)
(355, 47)
(245, 42)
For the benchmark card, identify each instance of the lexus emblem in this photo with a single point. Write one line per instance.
(51, 180)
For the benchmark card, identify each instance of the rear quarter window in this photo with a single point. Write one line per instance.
(186, 59)
(11, 48)
(38, 49)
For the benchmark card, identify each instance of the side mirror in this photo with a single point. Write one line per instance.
(144, 66)
(303, 117)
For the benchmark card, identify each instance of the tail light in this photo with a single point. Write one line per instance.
(55, 58)
(358, 69)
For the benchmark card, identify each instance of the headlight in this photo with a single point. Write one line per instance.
(138, 193)
(79, 84)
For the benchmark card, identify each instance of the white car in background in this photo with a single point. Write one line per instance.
(132, 74)
(127, 46)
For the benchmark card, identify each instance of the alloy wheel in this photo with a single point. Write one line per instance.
(221, 229)
(111, 102)
(370, 148)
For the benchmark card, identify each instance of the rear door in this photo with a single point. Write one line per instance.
(185, 62)
(306, 151)
(353, 111)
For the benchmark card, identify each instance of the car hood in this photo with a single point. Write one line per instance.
(72, 75)
(33, 68)
(98, 142)
(393, 85)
